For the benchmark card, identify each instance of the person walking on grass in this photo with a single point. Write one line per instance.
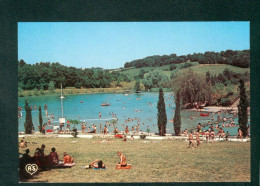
(198, 138)
(191, 144)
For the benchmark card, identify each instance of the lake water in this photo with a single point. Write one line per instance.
(143, 106)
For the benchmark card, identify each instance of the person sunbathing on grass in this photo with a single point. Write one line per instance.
(67, 158)
(54, 155)
(96, 164)
(122, 162)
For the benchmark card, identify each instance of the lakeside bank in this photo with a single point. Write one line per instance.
(75, 91)
(150, 137)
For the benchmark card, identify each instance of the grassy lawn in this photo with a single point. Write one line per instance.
(135, 71)
(156, 161)
(216, 69)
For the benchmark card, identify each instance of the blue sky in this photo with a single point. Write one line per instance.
(111, 44)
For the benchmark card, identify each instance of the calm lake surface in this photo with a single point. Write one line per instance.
(143, 106)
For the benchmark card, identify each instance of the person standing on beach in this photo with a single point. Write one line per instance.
(43, 129)
(82, 128)
(240, 134)
(137, 128)
(126, 129)
(105, 130)
(207, 136)
(212, 135)
(198, 138)
(148, 130)
(191, 144)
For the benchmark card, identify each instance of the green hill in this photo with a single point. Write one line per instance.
(214, 69)
(135, 71)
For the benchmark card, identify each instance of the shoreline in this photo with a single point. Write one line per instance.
(136, 137)
(86, 91)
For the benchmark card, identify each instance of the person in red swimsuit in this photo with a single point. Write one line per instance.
(67, 158)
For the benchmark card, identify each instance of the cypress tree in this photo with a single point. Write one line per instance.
(28, 124)
(242, 109)
(177, 115)
(40, 118)
(162, 117)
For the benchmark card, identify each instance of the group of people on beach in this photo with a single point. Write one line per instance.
(53, 159)
(209, 134)
(41, 158)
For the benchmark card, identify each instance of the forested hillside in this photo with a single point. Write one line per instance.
(45, 75)
(152, 72)
(229, 57)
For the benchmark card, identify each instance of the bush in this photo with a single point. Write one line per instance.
(173, 67)
(78, 84)
(35, 92)
(51, 87)
(225, 102)
(41, 91)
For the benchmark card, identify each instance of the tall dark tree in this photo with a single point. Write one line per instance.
(177, 115)
(28, 124)
(162, 117)
(40, 118)
(242, 109)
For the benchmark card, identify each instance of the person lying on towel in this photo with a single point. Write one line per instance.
(67, 158)
(122, 162)
(96, 164)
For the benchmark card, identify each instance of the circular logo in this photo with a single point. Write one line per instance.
(31, 168)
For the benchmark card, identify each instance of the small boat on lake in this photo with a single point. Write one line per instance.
(105, 104)
(203, 114)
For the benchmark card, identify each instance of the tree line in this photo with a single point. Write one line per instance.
(41, 76)
(230, 57)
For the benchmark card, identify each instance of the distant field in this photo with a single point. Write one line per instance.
(135, 71)
(214, 69)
